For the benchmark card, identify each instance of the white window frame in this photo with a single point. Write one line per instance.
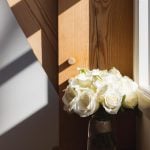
(142, 44)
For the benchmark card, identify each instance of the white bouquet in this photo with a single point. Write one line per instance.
(92, 89)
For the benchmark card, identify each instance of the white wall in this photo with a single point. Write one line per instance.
(28, 101)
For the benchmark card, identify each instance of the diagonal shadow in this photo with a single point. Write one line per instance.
(66, 4)
(16, 66)
(48, 59)
(63, 66)
(38, 132)
(32, 25)
(23, 11)
(37, 15)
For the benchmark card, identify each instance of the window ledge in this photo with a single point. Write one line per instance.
(144, 102)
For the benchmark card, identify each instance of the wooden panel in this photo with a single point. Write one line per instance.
(73, 42)
(38, 19)
(111, 34)
(74, 37)
(111, 44)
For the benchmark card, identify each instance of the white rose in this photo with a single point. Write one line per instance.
(84, 80)
(131, 100)
(110, 79)
(70, 97)
(86, 104)
(81, 80)
(115, 72)
(129, 89)
(112, 102)
(96, 72)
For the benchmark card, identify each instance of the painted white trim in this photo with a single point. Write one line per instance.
(136, 41)
(141, 43)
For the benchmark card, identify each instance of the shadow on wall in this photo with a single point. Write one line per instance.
(40, 130)
(16, 66)
(66, 4)
(35, 133)
(35, 15)
(40, 15)
(28, 101)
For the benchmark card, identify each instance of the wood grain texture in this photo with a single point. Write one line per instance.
(111, 34)
(73, 37)
(73, 42)
(111, 44)
(38, 20)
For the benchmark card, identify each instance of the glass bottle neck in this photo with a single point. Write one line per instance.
(103, 126)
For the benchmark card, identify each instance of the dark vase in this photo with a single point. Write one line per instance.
(100, 133)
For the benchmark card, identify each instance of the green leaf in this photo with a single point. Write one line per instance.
(98, 78)
(82, 70)
(123, 98)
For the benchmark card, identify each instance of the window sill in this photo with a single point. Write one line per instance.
(144, 102)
